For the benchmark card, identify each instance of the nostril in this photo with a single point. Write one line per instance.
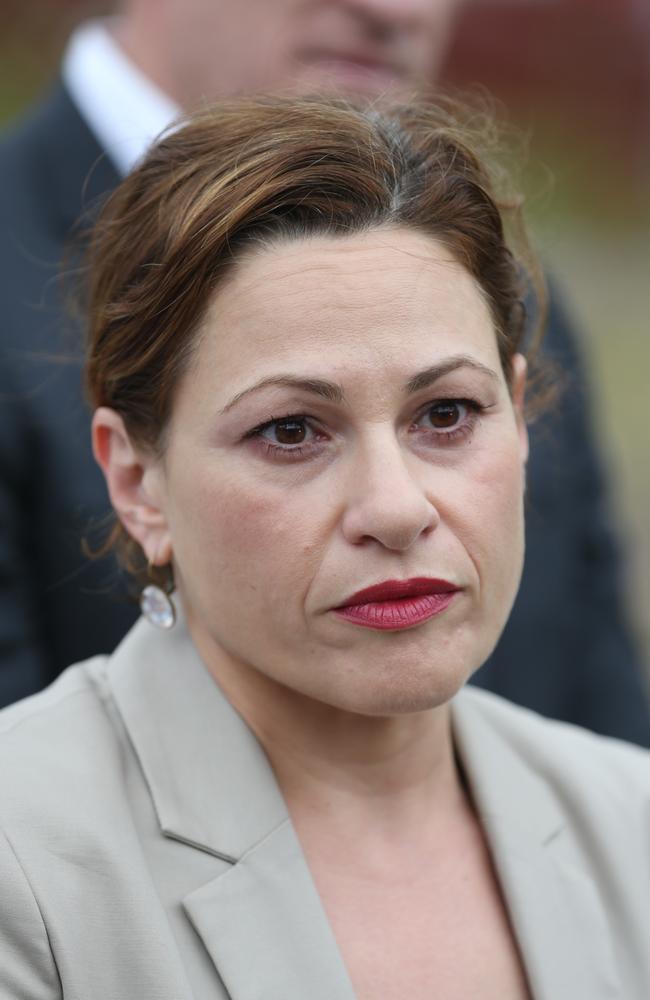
(395, 524)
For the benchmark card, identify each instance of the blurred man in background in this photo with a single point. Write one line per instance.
(567, 651)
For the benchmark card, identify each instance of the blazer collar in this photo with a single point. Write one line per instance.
(211, 783)
(261, 918)
(556, 913)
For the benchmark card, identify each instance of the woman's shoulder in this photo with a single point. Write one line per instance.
(547, 736)
(72, 858)
(57, 745)
(76, 691)
(564, 756)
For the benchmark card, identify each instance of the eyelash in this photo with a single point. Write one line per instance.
(444, 438)
(286, 452)
(465, 430)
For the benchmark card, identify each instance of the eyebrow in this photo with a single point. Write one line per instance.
(318, 387)
(430, 375)
(334, 393)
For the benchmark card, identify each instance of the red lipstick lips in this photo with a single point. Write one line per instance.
(398, 604)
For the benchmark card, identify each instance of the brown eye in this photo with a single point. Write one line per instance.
(286, 434)
(447, 414)
(290, 431)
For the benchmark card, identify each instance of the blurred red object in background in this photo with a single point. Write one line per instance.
(584, 61)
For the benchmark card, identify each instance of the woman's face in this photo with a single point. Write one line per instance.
(346, 422)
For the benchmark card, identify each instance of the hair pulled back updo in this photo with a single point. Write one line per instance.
(248, 172)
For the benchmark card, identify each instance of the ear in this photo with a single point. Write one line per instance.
(518, 392)
(134, 480)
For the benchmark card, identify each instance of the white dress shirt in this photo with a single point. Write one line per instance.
(124, 110)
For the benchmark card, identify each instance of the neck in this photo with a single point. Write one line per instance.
(361, 773)
(329, 762)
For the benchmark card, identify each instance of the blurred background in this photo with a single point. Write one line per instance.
(574, 77)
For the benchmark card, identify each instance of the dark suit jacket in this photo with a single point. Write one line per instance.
(566, 652)
(53, 605)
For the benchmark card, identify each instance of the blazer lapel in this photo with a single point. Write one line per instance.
(263, 923)
(261, 919)
(556, 913)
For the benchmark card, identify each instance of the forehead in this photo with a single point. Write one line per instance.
(351, 301)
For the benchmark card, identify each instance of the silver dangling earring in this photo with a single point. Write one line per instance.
(156, 604)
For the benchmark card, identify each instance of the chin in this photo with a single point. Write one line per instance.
(406, 690)
(403, 673)
(351, 81)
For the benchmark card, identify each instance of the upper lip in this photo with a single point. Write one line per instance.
(392, 590)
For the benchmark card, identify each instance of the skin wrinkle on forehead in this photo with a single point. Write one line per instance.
(336, 250)
(233, 290)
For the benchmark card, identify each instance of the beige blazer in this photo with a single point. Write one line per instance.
(146, 852)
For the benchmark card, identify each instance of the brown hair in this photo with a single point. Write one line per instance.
(244, 173)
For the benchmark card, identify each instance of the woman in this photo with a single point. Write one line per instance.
(305, 334)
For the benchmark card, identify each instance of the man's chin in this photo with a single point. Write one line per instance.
(348, 80)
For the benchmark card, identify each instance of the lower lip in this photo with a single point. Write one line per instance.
(402, 613)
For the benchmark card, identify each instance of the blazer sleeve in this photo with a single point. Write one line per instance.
(27, 966)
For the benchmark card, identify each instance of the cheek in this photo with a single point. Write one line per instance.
(234, 537)
(228, 526)
(493, 513)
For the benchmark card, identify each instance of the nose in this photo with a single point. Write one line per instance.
(387, 501)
